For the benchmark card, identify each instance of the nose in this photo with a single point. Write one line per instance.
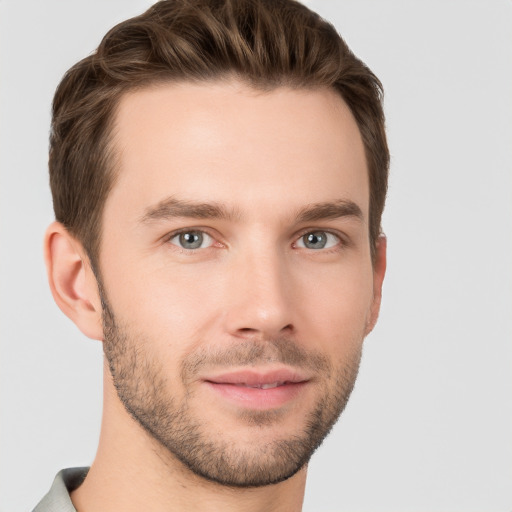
(260, 296)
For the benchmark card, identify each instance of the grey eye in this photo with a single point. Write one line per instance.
(318, 240)
(191, 240)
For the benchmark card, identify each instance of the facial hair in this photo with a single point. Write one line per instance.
(143, 388)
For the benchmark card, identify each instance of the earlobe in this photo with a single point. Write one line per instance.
(72, 281)
(379, 271)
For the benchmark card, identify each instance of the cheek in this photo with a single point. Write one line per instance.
(171, 306)
(337, 306)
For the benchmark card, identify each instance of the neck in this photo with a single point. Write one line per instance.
(133, 472)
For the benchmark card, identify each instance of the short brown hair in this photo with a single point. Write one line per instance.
(265, 43)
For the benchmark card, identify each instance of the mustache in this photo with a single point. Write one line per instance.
(255, 352)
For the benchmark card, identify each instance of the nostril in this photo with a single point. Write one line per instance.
(251, 332)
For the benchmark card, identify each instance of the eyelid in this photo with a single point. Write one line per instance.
(342, 240)
(205, 231)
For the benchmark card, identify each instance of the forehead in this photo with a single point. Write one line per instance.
(229, 142)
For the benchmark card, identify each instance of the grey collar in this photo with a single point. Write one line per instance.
(57, 499)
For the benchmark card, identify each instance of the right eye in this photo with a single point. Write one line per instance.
(192, 239)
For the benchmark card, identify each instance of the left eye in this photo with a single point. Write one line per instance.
(192, 240)
(318, 240)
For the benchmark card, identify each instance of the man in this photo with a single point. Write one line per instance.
(218, 171)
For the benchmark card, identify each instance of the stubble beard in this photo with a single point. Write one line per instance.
(143, 389)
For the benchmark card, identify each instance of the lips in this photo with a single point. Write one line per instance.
(258, 389)
(259, 379)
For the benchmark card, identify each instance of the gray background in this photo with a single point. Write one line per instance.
(429, 426)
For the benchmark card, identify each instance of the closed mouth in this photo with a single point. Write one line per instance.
(259, 379)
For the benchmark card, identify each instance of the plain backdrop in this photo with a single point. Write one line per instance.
(429, 425)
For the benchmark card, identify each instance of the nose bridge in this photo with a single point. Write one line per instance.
(260, 292)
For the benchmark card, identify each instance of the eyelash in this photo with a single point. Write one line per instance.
(184, 250)
(342, 242)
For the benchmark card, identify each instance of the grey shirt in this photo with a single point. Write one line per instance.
(57, 499)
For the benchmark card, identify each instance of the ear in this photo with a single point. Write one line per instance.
(72, 281)
(379, 270)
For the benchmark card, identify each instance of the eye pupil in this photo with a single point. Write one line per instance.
(316, 240)
(191, 239)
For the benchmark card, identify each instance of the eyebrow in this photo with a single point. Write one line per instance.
(172, 207)
(330, 210)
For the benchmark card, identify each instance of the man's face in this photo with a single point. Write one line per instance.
(236, 273)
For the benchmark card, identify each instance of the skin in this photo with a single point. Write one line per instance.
(264, 158)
